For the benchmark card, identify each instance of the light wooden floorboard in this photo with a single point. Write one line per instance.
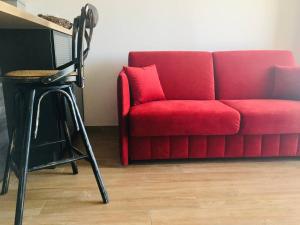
(239, 192)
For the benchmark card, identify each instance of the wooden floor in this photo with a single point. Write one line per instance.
(231, 192)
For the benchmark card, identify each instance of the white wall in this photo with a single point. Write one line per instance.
(127, 25)
(288, 28)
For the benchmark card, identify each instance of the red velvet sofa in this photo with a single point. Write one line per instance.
(219, 105)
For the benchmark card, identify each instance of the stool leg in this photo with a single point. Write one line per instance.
(24, 158)
(89, 150)
(6, 179)
(63, 119)
(69, 147)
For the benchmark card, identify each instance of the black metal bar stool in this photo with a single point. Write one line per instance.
(33, 87)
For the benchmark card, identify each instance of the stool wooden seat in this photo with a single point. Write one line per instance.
(31, 73)
(33, 86)
(33, 76)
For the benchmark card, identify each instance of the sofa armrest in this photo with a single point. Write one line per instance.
(123, 110)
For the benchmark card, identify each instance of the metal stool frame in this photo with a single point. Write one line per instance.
(34, 90)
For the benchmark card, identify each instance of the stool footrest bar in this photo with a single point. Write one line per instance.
(77, 151)
(48, 143)
(57, 163)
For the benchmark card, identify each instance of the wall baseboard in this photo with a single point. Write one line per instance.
(112, 130)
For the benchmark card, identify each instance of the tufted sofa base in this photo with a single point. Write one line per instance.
(197, 147)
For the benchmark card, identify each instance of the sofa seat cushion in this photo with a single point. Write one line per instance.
(183, 117)
(267, 116)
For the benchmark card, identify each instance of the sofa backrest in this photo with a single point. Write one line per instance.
(183, 75)
(247, 74)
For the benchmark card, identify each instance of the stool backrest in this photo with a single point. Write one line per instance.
(83, 27)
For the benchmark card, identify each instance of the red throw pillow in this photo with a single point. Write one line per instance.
(286, 82)
(144, 84)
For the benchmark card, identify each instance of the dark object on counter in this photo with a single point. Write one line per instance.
(34, 85)
(60, 21)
